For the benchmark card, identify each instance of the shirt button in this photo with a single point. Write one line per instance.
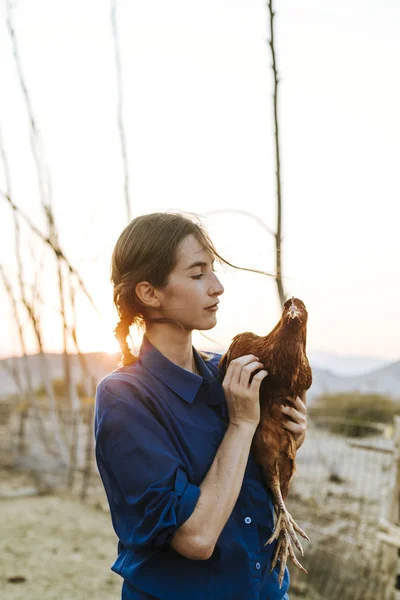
(258, 566)
(247, 520)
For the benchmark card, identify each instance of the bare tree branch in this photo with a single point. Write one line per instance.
(26, 390)
(259, 221)
(56, 249)
(6, 167)
(121, 129)
(278, 235)
(245, 213)
(36, 144)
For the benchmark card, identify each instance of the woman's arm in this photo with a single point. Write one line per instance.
(197, 537)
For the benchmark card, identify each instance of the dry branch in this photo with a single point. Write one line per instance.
(25, 389)
(36, 145)
(244, 213)
(278, 235)
(56, 249)
(120, 122)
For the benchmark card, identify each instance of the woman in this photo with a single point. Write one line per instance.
(187, 500)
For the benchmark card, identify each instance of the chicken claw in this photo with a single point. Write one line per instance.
(285, 533)
(283, 550)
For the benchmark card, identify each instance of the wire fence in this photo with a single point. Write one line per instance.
(55, 446)
(338, 496)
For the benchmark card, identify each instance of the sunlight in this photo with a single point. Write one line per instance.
(111, 346)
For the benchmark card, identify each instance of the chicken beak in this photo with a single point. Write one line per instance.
(293, 311)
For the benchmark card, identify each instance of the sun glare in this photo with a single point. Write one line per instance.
(111, 346)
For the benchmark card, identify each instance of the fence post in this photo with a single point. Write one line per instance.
(89, 454)
(392, 514)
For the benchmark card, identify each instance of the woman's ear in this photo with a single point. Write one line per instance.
(147, 294)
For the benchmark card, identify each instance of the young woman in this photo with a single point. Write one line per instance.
(186, 498)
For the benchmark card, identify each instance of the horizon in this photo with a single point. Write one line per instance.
(313, 355)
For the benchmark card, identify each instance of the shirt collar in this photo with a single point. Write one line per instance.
(179, 380)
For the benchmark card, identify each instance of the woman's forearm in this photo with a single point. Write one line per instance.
(220, 489)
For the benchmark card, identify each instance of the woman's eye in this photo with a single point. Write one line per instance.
(198, 276)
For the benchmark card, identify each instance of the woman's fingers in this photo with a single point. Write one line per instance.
(294, 428)
(300, 405)
(294, 414)
(236, 366)
(257, 379)
(296, 422)
(297, 410)
(247, 371)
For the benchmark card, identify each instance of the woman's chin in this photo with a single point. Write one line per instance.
(207, 326)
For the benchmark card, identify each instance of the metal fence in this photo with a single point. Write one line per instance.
(344, 487)
(55, 447)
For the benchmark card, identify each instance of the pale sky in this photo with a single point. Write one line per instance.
(198, 116)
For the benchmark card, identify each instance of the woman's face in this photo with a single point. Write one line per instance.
(191, 294)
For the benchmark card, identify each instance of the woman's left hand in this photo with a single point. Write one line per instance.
(296, 422)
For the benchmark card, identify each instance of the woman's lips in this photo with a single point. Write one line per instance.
(212, 308)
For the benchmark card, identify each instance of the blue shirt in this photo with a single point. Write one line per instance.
(158, 428)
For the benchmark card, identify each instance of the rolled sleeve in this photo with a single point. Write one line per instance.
(147, 485)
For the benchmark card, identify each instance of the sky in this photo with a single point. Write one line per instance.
(197, 109)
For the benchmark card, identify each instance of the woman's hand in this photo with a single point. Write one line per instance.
(243, 397)
(297, 421)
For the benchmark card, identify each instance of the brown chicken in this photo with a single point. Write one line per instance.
(283, 354)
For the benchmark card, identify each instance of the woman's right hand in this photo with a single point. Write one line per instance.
(242, 397)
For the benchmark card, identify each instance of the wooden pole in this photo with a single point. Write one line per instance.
(392, 514)
(89, 441)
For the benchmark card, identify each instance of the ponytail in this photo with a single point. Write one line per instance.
(121, 333)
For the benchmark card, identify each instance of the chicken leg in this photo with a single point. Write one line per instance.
(285, 533)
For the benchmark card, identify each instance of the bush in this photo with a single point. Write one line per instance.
(356, 407)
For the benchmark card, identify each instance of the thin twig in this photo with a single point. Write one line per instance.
(244, 213)
(27, 393)
(56, 249)
(121, 129)
(278, 235)
(35, 139)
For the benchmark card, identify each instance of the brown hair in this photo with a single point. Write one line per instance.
(146, 251)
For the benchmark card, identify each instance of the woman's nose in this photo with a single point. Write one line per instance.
(216, 288)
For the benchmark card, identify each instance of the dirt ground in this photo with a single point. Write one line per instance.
(54, 547)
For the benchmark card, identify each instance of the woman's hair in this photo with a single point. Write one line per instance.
(146, 250)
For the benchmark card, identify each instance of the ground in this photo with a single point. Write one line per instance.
(55, 546)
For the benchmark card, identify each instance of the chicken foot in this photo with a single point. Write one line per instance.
(285, 532)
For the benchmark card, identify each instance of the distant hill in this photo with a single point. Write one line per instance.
(346, 365)
(99, 363)
(383, 380)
